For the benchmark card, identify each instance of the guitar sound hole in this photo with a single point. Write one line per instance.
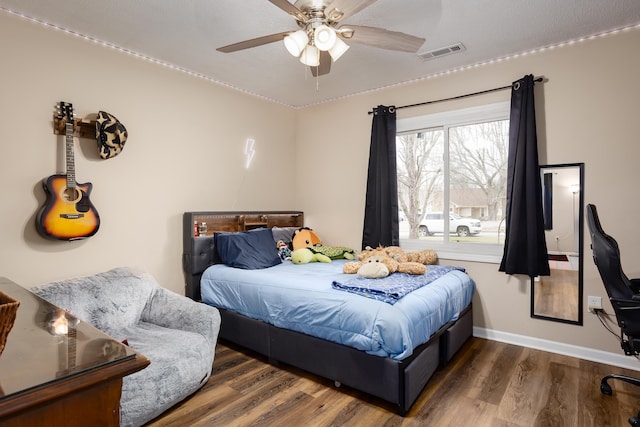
(72, 195)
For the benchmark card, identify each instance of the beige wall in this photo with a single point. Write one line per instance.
(185, 153)
(587, 112)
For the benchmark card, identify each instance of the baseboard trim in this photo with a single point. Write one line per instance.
(585, 353)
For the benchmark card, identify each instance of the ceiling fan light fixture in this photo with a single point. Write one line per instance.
(338, 49)
(310, 56)
(324, 37)
(296, 42)
(320, 40)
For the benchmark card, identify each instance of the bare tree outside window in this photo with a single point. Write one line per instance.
(478, 158)
(477, 176)
(419, 163)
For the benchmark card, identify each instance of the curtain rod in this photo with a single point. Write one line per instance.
(536, 80)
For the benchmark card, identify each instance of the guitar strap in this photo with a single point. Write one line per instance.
(110, 134)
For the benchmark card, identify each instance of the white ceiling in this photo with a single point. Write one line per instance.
(186, 33)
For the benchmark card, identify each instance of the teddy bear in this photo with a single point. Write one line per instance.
(353, 266)
(397, 253)
(376, 267)
(394, 258)
(426, 256)
(379, 255)
(305, 237)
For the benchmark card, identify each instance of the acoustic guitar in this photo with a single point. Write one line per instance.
(68, 213)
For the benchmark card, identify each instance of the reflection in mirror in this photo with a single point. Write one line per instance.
(559, 296)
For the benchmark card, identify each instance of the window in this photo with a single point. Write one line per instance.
(452, 176)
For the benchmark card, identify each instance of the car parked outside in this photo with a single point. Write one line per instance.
(434, 223)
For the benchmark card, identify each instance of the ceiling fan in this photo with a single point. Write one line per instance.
(320, 41)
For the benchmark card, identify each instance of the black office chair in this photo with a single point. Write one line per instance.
(624, 294)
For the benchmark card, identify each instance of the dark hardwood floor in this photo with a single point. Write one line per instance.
(488, 383)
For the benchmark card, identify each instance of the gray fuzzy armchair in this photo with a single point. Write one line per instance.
(175, 333)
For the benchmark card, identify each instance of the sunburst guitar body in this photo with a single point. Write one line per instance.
(68, 213)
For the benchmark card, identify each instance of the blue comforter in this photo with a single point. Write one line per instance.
(301, 298)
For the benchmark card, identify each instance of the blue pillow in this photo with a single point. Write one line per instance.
(250, 250)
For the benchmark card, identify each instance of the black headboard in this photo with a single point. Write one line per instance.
(198, 253)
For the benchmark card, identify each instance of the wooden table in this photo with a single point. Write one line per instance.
(58, 371)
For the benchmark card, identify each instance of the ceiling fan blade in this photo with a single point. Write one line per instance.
(385, 39)
(324, 67)
(342, 9)
(259, 41)
(290, 9)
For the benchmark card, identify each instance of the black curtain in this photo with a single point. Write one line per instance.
(381, 206)
(525, 248)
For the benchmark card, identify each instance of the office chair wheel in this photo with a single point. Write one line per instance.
(605, 388)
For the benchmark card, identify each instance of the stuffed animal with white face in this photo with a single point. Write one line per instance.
(380, 255)
(374, 268)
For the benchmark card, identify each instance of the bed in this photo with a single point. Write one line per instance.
(387, 350)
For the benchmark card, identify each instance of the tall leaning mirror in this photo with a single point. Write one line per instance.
(558, 297)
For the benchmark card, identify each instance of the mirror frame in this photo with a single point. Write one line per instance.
(579, 321)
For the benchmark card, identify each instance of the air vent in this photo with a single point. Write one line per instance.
(437, 53)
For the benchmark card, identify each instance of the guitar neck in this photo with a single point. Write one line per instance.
(71, 167)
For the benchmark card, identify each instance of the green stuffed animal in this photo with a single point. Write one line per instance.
(306, 255)
(335, 252)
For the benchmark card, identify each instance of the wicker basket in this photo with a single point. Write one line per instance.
(8, 310)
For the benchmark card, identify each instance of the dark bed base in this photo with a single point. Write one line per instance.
(397, 382)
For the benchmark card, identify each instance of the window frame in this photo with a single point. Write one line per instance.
(489, 253)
